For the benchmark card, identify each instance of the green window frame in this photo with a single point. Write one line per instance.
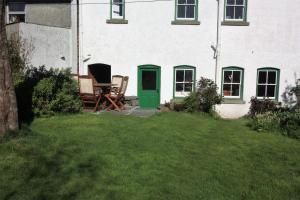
(184, 80)
(235, 10)
(184, 9)
(232, 83)
(267, 83)
(117, 9)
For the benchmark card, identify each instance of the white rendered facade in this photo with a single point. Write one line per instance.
(271, 39)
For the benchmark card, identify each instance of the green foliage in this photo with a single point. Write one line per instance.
(56, 94)
(205, 97)
(287, 122)
(259, 106)
(19, 51)
(167, 156)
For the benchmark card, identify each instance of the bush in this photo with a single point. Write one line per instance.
(260, 106)
(287, 122)
(57, 93)
(205, 97)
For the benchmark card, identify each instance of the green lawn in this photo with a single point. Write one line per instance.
(167, 156)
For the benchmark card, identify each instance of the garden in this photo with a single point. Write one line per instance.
(61, 152)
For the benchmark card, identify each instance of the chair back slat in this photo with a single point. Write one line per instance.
(124, 85)
(86, 85)
(116, 81)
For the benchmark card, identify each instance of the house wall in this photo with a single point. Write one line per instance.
(271, 40)
(58, 15)
(51, 45)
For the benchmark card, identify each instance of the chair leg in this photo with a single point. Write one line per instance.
(97, 103)
(113, 103)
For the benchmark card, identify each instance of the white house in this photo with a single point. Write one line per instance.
(250, 47)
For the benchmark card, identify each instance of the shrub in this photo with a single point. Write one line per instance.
(57, 93)
(259, 106)
(205, 97)
(286, 122)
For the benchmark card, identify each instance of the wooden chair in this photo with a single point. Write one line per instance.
(116, 98)
(87, 92)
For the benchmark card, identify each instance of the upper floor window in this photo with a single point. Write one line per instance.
(232, 82)
(117, 9)
(235, 10)
(16, 12)
(184, 80)
(267, 83)
(186, 9)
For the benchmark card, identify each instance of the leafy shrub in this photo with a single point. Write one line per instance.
(287, 122)
(205, 97)
(57, 93)
(259, 106)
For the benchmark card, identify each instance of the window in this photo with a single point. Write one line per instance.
(235, 10)
(16, 12)
(184, 80)
(117, 9)
(186, 9)
(267, 83)
(232, 84)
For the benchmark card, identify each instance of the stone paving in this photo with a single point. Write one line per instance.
(132, 110)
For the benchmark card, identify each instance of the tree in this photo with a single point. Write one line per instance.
(8, 102)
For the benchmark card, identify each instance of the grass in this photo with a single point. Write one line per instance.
(167, 156)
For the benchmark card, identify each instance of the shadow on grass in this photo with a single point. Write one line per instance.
(37, 167)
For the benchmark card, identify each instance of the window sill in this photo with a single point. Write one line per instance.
(233, 101)
(235, 23)
(117, 21)
(185, 22)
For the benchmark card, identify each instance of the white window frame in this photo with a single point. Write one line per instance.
(235, 5)
(183, 93)
(8, 13)
(186, 4)
(240, 83)
(267, 84)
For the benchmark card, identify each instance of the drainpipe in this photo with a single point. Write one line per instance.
(77, 34)
(216, 56)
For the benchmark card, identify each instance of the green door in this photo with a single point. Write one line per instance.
(149, 86)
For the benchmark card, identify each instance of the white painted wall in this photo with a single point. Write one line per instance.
(50, 44)
(272, 40)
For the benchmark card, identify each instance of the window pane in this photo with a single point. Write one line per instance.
(229, 12)
(239, 12)
(188, 87)
(261, 90)
(16, 7)
(236, 77)
(181, 12)
(117, 8)
(15, 18)
(236, 90)
(149, 80)
(190, 1)
(230, 2)
(179, 75)
(179, 87)
(239, 2)
(227, 89)
(271, 91)
(181, 1)
(227, 76)
(262, 77)
(188, 75)
(272, 77)
(190, 11)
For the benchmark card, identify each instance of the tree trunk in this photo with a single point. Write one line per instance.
(8, 102)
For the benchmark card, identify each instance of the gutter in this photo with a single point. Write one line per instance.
(216, 49)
